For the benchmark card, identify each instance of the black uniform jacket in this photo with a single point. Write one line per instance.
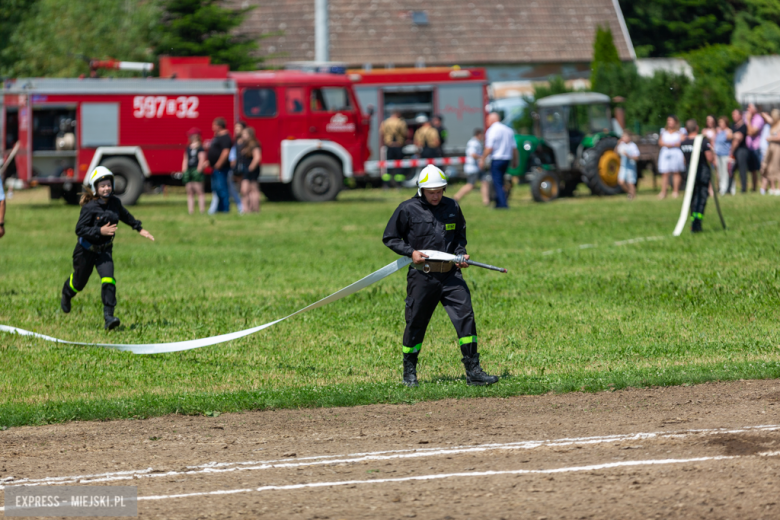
(97, 213)
(417, 225)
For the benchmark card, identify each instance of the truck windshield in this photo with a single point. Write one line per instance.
(330, 99)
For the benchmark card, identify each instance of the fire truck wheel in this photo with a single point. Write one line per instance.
(128, 179)
(317, 178)
(73, 195)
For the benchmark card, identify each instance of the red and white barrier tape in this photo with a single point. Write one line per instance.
(412, 163)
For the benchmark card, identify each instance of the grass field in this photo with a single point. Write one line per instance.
(576, 311)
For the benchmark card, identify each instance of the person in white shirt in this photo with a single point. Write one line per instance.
(500, 144)
(472, 170)
(629, 153)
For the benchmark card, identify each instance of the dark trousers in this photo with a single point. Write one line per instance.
(746, 160)
(219, 185)
(498, 169)
(396, 175)
(84, 261)
(699, 199)
(423, 292)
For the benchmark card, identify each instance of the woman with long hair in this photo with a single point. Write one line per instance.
(251, 156)
(192, 166)
(670, 159)
(710, 129)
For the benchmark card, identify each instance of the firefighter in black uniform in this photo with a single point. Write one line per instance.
(430, 221)
(101, 211)
(701, 185)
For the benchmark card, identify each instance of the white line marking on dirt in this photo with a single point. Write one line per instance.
(228, 467)
(440, 476)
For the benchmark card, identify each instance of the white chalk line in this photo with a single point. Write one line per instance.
(214, 468)
(618, 243)
(440, 476)
(640, 239)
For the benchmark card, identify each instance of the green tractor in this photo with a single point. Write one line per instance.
(577, 144)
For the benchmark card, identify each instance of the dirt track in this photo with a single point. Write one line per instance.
(434, 457)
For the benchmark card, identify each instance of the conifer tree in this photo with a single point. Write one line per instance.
(204, 28)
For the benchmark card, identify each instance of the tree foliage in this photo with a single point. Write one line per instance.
(204, 28)
(668, 27)
(55, 38)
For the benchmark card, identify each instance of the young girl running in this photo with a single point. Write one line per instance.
(100, 213)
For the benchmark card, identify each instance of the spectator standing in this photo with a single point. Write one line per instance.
(501, 146)
(670, 158)
(702, 182)
(710, 129)
(2, 210)
(723, 138)
(770, 167)
(426, 138)
(438, 123)
(219, 150)
(250, 158)
(394, 132)
(231, 184)
(744, 160)
(629, 153)
(755, 125)
(472, 170)
(192, 165)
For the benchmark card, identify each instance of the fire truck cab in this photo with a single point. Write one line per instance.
(311, 129)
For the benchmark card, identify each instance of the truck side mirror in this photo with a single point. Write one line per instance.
(370, 110)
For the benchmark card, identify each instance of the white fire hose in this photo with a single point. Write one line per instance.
(160, 348)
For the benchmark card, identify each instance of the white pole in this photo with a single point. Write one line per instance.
(321, 39)
(692, 169)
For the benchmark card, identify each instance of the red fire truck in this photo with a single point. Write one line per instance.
(458, 94)
(311, 128)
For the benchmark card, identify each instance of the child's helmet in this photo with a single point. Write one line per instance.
(431, 177)
(100, 173)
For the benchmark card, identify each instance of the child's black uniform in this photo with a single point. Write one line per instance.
(94, 250)
(702, 183)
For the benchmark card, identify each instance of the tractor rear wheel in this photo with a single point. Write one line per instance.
(545, 186)
(601, 167)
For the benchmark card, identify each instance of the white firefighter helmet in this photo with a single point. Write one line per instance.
(98, 174)
(430, 177)
(421, 119)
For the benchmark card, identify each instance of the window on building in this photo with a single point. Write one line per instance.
(259, 102)
(330, 99)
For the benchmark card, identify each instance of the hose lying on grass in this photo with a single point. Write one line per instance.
(160, 348)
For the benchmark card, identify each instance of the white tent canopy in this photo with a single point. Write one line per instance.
(758, 80)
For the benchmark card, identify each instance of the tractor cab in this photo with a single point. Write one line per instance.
(579, 128)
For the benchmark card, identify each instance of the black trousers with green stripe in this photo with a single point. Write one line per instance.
(84, 261)
(423, 292)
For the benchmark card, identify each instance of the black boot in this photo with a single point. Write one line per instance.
(410, 370)
(474, 374)
(66, 296)
(111, 321)
(696, 226)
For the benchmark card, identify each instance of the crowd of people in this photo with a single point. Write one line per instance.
(229, 160)
(745, 147)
